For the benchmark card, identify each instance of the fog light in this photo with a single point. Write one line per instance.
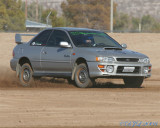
(109, 69)
(146, 69)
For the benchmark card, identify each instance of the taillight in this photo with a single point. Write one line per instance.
(13, 54)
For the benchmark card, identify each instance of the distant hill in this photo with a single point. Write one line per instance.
(138, 8)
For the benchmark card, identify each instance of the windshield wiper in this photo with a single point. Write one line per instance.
(110, 48)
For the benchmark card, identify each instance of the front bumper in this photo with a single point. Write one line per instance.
(94, 70)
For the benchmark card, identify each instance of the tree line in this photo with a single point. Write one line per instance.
(11, 15)
(76, 13)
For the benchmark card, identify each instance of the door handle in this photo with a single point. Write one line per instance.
(66, 55)
(44, 52)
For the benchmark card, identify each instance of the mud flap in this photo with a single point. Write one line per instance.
(18, 69)
(73, 72)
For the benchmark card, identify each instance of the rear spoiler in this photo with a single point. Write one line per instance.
(18, 38)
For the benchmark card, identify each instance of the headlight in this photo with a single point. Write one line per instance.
(144, 60)
(105, 59)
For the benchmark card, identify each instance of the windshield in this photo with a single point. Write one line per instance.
(93, 39)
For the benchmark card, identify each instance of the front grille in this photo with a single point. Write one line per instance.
(136, 71)
(128, 59)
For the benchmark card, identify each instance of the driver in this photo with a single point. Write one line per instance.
(89, 40)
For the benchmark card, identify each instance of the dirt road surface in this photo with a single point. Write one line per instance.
(62, 107)
(55, 103)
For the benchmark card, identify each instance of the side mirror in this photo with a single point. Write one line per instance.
(65, 44)
(124, 46)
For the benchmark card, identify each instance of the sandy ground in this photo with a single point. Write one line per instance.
(55, 103)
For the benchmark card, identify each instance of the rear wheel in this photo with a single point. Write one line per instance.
(133, 82)
(82, 79)
(25, 75)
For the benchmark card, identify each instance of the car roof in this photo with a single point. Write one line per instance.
(73, 29)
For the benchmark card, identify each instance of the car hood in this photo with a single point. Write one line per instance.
(124, 53)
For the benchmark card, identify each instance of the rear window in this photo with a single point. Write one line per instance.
(42, 38)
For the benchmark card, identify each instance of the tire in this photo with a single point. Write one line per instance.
(25, 75)
(82, 79)
(133, 82)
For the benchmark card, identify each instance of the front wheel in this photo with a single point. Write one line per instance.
(133, 82)
(25, 75)
(82, 79)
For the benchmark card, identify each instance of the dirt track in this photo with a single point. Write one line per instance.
(60, 106)
(54, 103)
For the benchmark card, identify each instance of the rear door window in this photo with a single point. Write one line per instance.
(42, 38)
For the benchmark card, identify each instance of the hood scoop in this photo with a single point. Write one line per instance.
(112, 48)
